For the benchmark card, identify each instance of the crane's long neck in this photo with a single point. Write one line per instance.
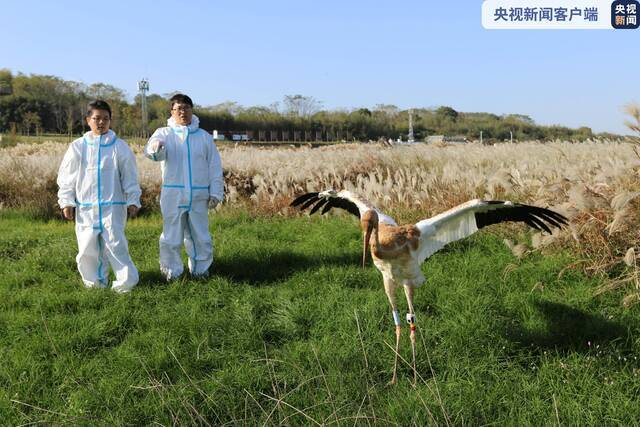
(369, 224)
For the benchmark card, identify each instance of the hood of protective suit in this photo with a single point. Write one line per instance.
(195, 123)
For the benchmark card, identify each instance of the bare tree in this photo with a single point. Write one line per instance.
(71, 95)
(301, 106)
(106, 92)
(231, 107)
(388, 109)
(30, 119)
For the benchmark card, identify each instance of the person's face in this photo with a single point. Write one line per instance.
(181, 113)
(99, 121)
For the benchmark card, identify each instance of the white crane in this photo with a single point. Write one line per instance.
(399, 251)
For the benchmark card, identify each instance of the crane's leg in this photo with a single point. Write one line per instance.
(411, 319)
(390, 289)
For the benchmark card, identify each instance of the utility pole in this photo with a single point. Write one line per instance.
(143, 88)
(410, 136)
(480, 137)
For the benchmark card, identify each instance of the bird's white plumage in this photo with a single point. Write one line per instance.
(401, 271)
(435, 234)
(455, 224)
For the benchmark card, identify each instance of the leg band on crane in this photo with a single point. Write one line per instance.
(396, 318)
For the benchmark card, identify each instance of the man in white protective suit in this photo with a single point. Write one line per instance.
(192, 183)
(98, 186)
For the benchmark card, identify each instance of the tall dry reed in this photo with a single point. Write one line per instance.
(595, 184)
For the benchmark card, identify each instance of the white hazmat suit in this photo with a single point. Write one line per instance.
(191, 176)
(98, 176)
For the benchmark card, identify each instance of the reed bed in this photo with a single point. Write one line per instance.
(594, 183)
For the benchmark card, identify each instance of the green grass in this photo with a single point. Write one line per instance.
(289, 330)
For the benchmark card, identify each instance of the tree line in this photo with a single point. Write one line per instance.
(36, 104)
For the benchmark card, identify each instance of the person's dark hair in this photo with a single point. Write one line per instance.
(180, 98)
(98, 104)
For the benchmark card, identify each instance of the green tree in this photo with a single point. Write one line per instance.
(6, 82)
(447, 113)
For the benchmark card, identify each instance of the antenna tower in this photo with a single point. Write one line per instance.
(143, 88)
(410, 138)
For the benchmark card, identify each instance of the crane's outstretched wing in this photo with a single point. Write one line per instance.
(346, 200)
(326, 203)
(469, 217)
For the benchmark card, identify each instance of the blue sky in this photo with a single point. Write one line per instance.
(345, 54)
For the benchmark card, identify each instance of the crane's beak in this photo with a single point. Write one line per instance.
(368, 222)
(365, 246)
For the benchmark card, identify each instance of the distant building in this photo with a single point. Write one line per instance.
(456, 139)
(434, 139)
(240, 137)
(439, 139)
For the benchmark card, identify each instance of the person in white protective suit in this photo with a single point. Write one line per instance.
(192, 183)
(98, 186)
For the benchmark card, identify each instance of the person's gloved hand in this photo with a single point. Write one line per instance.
(213, 202)
(132, 211)
(68, 213)
(156, 145)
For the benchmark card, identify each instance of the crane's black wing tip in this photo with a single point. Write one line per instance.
(327, 203)
(318, 205)
(303, 198)
(541, 219)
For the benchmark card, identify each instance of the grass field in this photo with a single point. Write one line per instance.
(289, 330)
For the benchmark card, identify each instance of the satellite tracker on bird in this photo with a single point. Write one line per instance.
(399, 251)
